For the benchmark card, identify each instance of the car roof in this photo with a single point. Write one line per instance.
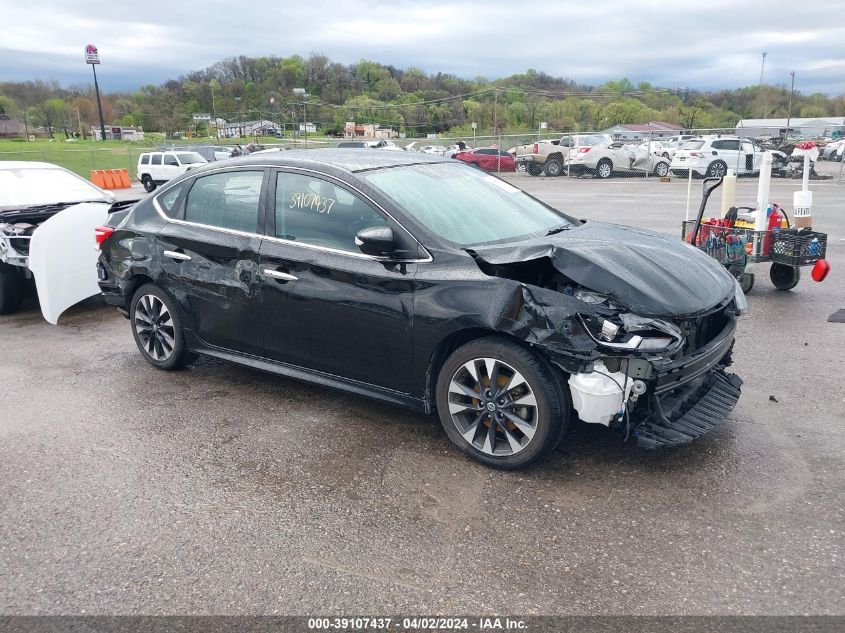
(350, 160)
(28, 164)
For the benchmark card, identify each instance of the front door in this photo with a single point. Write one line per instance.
(327, 306)
(209, 259)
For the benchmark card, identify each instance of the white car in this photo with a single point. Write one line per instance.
(713, 156)
(595, 154)
(156, 168)
(436, 150)
(660, 148)
(385, 144)
(47, 219)
(833, 151)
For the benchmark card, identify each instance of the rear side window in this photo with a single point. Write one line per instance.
(156, 159)
(726, 144)
(145, 159)
(317, 212)
(167, 201)
(228, 200)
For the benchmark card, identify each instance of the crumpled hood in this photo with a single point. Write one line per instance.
(651, 274)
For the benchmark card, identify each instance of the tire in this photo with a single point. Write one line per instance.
(666, 155)
(11, 289)
(509, 445)
(553, 167)
(149, 183)
(784, 277)
(661, 169)
(604, 168)
(534, 169)
(145, 308)
(475, 165)
(717, 169)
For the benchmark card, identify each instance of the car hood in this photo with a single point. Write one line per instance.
(649, 273)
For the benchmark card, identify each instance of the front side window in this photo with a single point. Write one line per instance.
(228, 200)
(190, 158)
(465, 206)
(170, 160)
(315, 211)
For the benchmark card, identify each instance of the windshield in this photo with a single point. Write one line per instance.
(190, 158)
(464, 205)
(27, 187)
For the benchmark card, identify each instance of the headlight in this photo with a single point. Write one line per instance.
(635, 333)
(740, 301)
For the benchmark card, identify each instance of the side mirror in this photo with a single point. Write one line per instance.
(376, 240)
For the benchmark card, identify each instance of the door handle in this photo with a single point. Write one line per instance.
(279, 275)
(176, 255)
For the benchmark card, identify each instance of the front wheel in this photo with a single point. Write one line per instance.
(784, 277)
(534, 169)
(157, 328)
(500, 404)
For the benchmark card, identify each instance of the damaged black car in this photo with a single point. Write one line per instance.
(429, 284)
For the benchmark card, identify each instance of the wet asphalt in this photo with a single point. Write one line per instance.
(126, 490)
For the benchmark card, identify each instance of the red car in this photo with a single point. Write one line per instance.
(488, 159)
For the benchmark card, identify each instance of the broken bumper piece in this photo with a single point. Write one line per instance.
(683, 415)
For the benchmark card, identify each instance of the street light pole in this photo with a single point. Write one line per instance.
(789, 108)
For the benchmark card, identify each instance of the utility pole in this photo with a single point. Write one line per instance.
(760, 87)
(789, 108)
(240, 118)
(496, 130)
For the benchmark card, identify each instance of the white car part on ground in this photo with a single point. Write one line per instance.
(598, 395)
(63, 258)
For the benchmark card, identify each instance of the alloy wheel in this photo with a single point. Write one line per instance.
(605, 170)
(154, 326)
(493, 407)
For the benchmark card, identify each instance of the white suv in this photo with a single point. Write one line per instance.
(156, 168)
(713, 156)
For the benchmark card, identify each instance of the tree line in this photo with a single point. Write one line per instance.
(410, 100)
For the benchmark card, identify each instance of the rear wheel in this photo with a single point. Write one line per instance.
(717, 169)
(500, 404)
(149, 183)
(784, 277)
(553, 167)
(476, 165)
(157, 328)
(661, 169)
(11, 289)
(604, 169)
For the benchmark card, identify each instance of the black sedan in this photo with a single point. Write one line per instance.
(426, 283)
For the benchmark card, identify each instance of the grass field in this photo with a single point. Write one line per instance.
(83, 156)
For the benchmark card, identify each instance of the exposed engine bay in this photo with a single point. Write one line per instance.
(642, 369)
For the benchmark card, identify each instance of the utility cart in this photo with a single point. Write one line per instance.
(728, 241)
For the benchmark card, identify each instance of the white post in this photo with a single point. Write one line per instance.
(805, 181)
(689, 192)
(763, 187)
(728, 191)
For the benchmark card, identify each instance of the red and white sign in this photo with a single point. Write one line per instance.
(92, 56)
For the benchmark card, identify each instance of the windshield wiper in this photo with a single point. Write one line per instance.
(558, 229)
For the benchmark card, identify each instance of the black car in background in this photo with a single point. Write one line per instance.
(423, 282)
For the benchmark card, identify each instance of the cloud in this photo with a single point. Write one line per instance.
(717, 44)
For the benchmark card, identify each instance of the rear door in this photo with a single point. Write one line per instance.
(209, 255)
(327, 306)
(156, 171)
(727, 150)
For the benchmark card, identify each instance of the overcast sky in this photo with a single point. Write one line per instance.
(706, 45)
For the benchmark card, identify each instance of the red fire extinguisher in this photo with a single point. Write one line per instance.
(774, 223)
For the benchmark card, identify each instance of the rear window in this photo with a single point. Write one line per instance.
(145, 159)
(693, 145)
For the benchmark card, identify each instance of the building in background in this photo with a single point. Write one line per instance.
(308, 127)
(118, 133)
(642, 131)
(368, 130)
(806, 127)
(250, 128)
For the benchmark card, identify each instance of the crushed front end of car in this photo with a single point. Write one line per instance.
(641, 327)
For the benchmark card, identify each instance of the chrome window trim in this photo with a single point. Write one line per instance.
(273, 238)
